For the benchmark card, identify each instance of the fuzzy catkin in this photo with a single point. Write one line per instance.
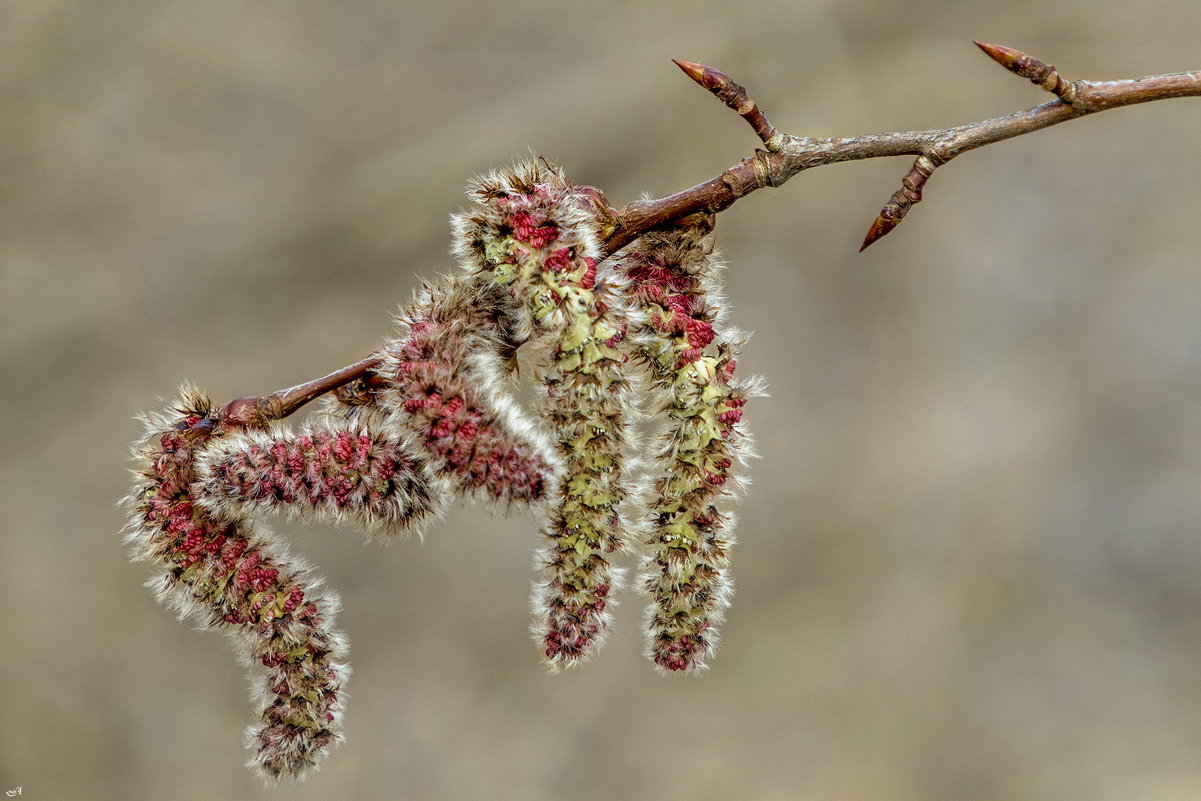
(531, 234)
(337, 469)
(443, 384)
(233, 577)
(679, 306)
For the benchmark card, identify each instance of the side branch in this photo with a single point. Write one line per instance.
(786, 155)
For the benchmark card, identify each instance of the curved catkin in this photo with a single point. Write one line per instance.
(679, 306)
(232, 577)
(531, 234)
(339, 469)
(443, 385)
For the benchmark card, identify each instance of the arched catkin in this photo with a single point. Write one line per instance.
(233, 577)
(443, 385)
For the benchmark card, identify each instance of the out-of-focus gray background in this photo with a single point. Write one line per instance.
(970, 564)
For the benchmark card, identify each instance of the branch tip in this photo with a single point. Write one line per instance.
(734, 95)
(1029, 67)
(901, 201)
(879, 228)
(694, 71)
(1005, 56)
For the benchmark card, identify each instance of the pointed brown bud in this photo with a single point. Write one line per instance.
(901, 201)
(880, 228)
(1007, 57)
(1029, 67)
(697, 72)
(734, 95)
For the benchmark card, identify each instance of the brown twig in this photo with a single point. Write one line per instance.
(792, 154)
(256, 412)
(786, 156)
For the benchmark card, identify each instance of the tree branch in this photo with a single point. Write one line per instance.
(786, 156)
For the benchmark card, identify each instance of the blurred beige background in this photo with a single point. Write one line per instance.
(970, 564)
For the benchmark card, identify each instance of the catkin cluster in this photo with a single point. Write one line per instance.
(614, 340)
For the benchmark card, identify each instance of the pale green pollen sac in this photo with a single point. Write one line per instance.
(692, 456)
(583, 489)
(597, 500)
(582, 540)
(593, 459)
(273, 609)
(583, 546)
(575, 335)
(669, 507)
(569, 362)
(699, 372)
(498, 255)
(589, 358)
(577, 583)
(679, 486)
(662, 354)
(704, 438)
(590, 355)
(544, 306)
(680, 530)
(609, 352)
(578, 299)
(191, 573)
(687, 612)
(580, 444)
(598, 461)
(603, 331)
(296, 654)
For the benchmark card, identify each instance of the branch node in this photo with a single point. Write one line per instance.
(249, 412)
(762, 169)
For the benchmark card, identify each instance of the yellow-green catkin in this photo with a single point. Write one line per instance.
(679, 309)
(531, 233)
